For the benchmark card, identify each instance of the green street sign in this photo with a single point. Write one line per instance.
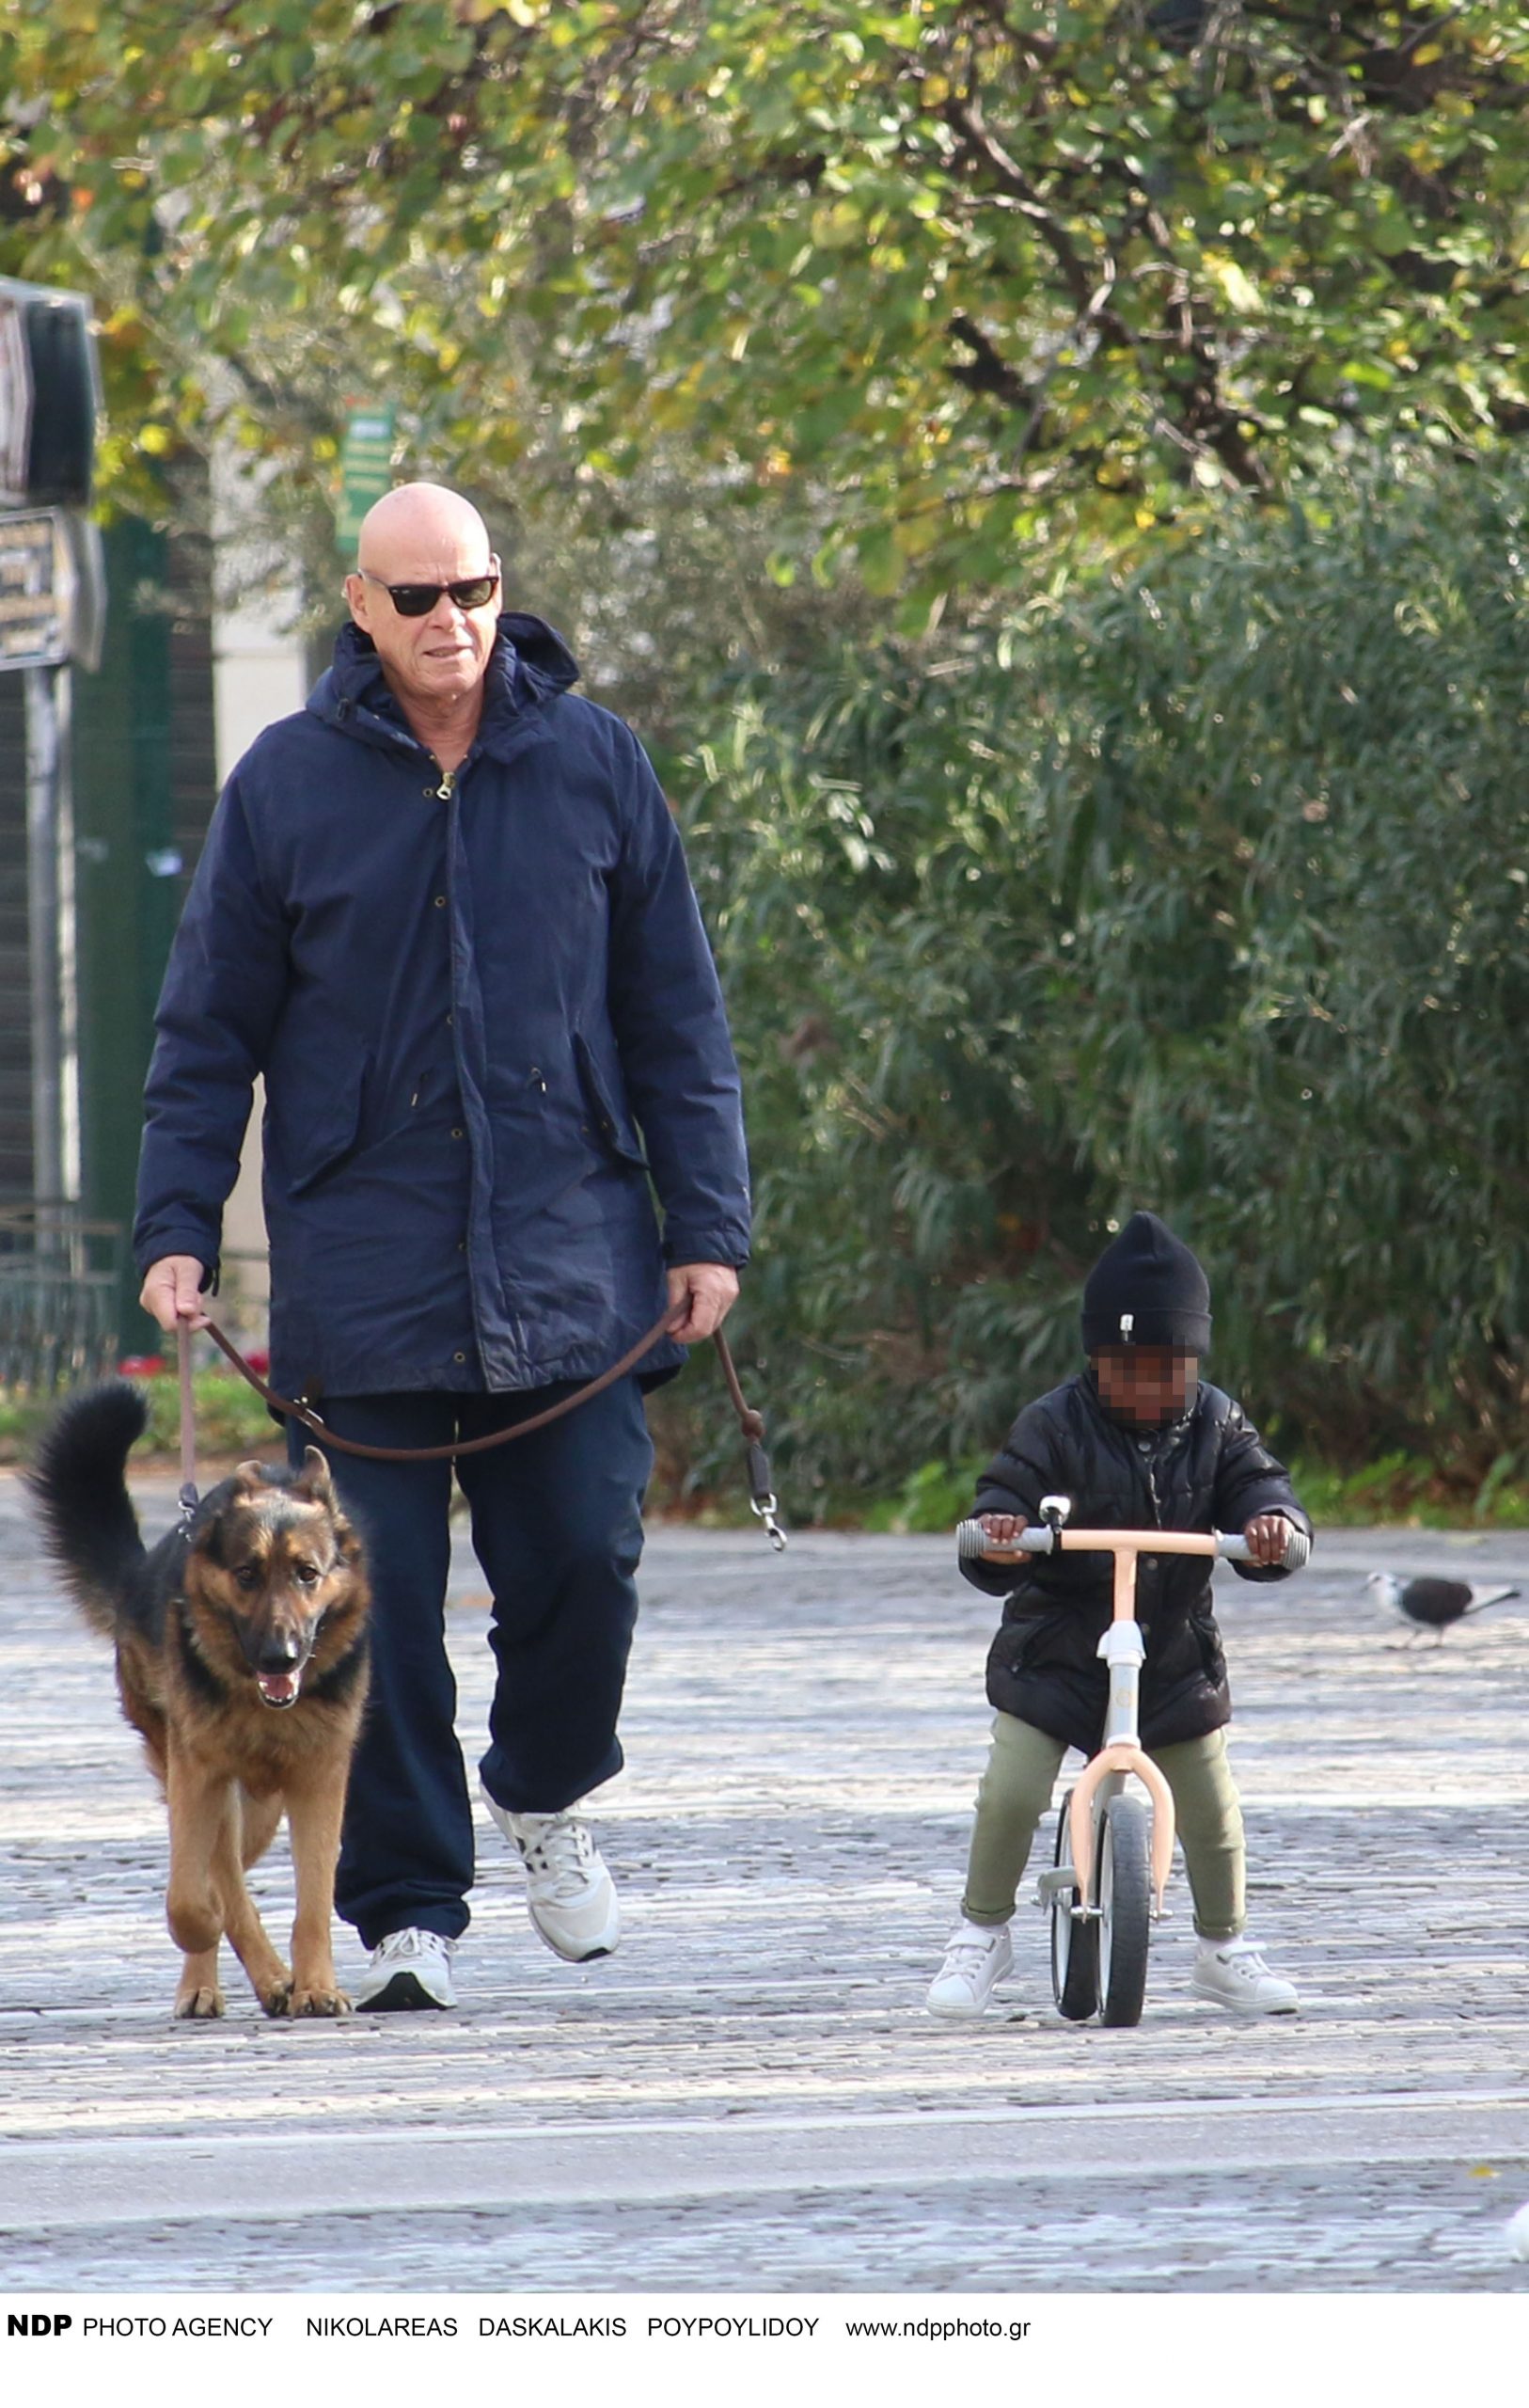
(366, 466)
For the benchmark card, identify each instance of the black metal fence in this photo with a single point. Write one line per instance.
(60, 1290)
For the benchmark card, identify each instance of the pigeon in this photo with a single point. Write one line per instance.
(1433, 1604)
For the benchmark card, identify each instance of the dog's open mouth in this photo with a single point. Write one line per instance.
(278, 1689)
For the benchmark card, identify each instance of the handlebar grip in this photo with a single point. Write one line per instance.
(1233, 1548)
(972, 1542)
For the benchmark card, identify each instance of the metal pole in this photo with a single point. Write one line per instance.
(69, 927)
(50, 915)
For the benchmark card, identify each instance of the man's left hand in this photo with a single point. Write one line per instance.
(708, 1290)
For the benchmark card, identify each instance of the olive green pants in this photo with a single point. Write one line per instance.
(1016, 1791)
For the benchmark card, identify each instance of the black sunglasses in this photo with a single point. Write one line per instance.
(412, 601)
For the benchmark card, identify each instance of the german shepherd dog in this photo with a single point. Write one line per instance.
(242, 1659)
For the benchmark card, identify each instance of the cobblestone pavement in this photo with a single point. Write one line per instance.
(749, 2097)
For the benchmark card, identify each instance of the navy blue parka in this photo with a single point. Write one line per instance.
(490, 1028)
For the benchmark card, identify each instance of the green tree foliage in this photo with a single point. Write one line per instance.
(937, 282)
(1206, 890)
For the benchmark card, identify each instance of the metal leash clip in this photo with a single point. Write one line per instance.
(763, 1501)
(766, 1509)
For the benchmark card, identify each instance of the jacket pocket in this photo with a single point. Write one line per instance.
(1020, 1643)
(1207, 1638)
(608, 1120)
(324, 1128)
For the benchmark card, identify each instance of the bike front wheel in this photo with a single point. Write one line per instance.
(1075, 1946)
(1125, 1927)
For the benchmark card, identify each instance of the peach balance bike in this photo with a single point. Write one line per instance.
(1113, 1850)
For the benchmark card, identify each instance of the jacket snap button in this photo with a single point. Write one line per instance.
(459, 1358)
(456, 1133)
(440, 902)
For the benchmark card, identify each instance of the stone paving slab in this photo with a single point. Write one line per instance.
(750, 2094)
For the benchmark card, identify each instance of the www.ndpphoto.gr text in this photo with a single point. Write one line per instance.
(936, 2328)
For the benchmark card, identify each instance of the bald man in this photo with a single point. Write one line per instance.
(445, 912)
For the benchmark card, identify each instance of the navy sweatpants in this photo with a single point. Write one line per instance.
(557, 1527)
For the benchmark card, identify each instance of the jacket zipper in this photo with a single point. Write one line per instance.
(444, 793)
(1149, 1464)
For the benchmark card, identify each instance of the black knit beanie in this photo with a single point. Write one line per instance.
(1146, 1289)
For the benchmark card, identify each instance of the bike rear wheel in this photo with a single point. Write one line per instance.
(1124, 1924)
(1075, 1946)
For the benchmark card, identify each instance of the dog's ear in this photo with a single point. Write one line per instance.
(314, 1478)
(250, 1475)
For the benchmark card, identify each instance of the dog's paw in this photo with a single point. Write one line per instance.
(321, 2002)
(276, 1997)
(198, 2006)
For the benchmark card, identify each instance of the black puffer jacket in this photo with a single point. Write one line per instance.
(1207, 1470)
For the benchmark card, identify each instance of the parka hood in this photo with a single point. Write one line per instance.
(529, 666)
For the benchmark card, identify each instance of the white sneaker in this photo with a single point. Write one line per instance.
(569, 1894)
(977, 1954)
(1233, 1973)
(409, 1969)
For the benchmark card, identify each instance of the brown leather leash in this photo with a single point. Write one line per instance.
(761, 1498)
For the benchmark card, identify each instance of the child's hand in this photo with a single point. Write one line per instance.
(1268, 1535)
(1002, 1528)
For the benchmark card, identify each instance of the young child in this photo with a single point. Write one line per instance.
(1137, 1440)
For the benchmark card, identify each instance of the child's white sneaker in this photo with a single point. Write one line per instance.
(1234, 1974)
(977, 1954)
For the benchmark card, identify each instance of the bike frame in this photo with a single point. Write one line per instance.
(1124, 1649)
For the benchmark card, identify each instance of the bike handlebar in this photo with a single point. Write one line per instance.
(973, 1545)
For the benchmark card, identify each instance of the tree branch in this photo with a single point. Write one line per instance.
(966, 121)
(989, 372)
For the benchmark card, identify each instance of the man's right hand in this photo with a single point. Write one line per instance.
(172, 1292)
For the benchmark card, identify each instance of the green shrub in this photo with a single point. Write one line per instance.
(1206, 890)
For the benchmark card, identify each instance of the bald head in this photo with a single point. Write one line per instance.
(434, 650)
(413, 523)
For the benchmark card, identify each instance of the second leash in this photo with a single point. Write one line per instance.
(188, 1425)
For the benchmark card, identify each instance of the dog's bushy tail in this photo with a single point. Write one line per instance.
(89, 1527)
